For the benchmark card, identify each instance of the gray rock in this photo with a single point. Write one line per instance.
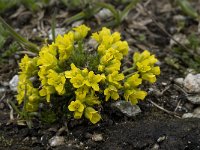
(56, 141)
(127, 108)
(197, 110)
(190, 115)
(194, 99)
(179, 81)
(13, 83)
(192, 83)
(194, 114)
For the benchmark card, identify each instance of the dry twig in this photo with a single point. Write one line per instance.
(165, 110)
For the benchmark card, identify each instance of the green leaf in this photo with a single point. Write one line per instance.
(127, 9)
(187, 8)
(29, 45)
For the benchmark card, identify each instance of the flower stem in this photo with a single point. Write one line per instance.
(129, 69)
(127, 76)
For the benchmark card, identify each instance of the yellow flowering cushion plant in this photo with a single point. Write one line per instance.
(70, 79)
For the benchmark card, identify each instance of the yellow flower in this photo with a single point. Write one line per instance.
(47, 91)
(132, 81)
(92, 115)
(144, 56)
(57, 80)
(26, 91)
(111, 92)
(115, 53)
(22, 88)
(114, 65)
(114, 78)
(65, 45)
(93, 80)
(138, 57)
(28, 66)
(80, 32)
(109, 64)
(116, 37)
(33, 95)
(78, 81)
(143, 66)
(155, 70)
(149, 77)
(133, 95)
(121, 46)
(99, 36)
(77, 107)
(91, 99)
(43, 72)
(73, 72)
(144, 63)
(81, 92)
(47, 60)
(106, 59)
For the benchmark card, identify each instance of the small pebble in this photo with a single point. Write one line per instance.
(2, 105)
(164, 83)
(104, 14)
(179, 81)
(56, 141)
(77, 23)
(155, 147)
(160, 139)
(13, 83)
(97, 137)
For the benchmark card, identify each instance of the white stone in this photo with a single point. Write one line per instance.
(104, 14)
(97, 137)
(56, 141)
(13, 83)
(192, 83)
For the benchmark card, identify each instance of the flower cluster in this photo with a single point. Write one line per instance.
(56, 75)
